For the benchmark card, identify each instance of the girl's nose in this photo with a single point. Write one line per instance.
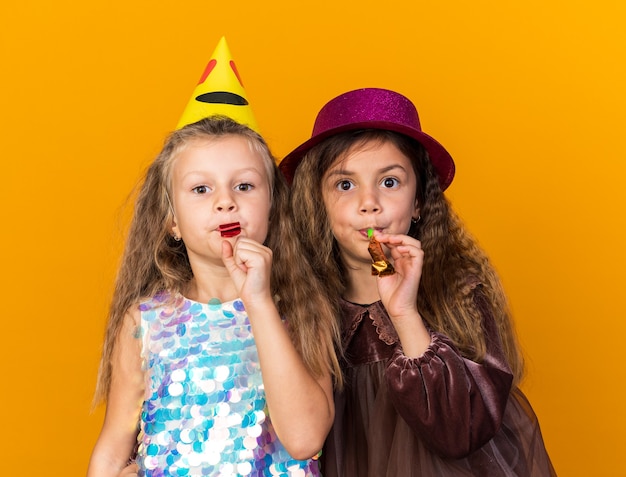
(369, 202)
(226, 208)
(225, 203)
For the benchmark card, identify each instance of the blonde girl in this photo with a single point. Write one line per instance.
(218, 356)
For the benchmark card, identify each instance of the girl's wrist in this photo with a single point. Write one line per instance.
(413, 334)
(260, 305)
(406, 319)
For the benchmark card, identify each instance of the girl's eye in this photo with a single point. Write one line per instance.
(200, 189)
(344, 185)
(389, 182)
(245, 187)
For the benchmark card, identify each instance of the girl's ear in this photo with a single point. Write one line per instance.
(175, 230)
(416, 209)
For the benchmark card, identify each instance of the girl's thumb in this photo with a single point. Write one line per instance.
(227, 255)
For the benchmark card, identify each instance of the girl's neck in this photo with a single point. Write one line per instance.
(362, 287)
(202, 290)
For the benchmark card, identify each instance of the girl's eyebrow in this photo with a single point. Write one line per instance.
(339, 172)
(245, 170)
(384, 170)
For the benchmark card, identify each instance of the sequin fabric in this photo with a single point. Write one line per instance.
(204, 411)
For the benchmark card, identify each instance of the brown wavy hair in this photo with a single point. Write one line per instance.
(454, 264)
(153, 261)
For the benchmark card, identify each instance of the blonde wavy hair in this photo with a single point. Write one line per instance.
(153, 261)
(457, 276)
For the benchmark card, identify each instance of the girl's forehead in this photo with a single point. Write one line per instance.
(371, 153)
(232, 155)
(222, 151)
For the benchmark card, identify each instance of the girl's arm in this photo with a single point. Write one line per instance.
(398, 292)
(301, 407)
(454, 404)
(119, 431)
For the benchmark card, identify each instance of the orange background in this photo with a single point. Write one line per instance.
(527, 96)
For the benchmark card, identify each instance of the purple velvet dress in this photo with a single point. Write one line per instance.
(436, 415)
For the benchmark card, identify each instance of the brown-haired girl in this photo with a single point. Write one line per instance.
(218, 356)
(431, 362)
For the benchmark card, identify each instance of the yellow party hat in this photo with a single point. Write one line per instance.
(219, 91)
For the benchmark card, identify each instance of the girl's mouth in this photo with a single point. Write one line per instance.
(364, 231)
(230, 230)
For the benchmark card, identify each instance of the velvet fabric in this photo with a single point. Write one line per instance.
(436, 415)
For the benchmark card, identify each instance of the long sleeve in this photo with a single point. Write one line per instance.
(454, 404)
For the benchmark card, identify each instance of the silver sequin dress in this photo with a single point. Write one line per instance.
(204, 411)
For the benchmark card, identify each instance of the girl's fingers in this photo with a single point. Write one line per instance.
(397, 239)
(250, 251)
(400, 245)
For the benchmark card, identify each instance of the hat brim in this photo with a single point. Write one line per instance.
(439, 156)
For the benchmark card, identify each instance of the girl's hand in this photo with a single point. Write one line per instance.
(249, 264)
(398, 292)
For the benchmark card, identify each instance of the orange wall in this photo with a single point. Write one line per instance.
(528, 97)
